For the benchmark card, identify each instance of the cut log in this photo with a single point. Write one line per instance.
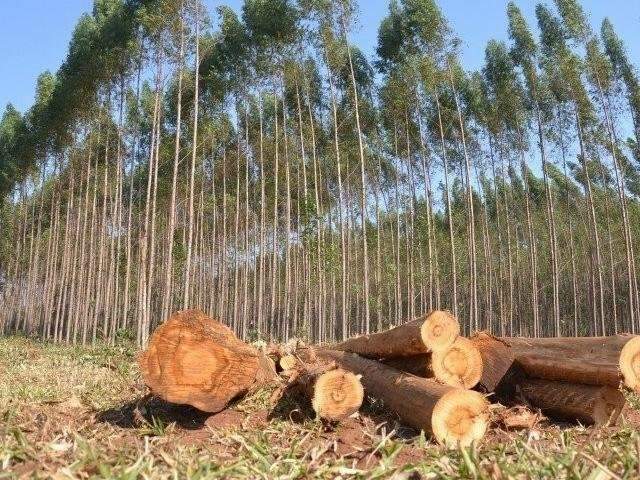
(337, 394)
(439, 330)
(436, 331)
(630, 363)
(455, 417)
(572, 370)
(195, 360)
(458, 366)
(287, 362)
(587, 345)
(592, 361)
(498, 371)
(588, 404)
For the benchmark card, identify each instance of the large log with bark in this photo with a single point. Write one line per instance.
(586, 360)
(455, 417)
(433, 332)
(194, 360)
(588, 404)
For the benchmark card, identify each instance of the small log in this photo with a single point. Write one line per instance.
(589, 404)
(335, 394)
(435, 331)
(287, 362)
(453, 416)
(192, 359)
(458, 366)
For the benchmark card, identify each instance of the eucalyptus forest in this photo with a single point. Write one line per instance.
(258, 165)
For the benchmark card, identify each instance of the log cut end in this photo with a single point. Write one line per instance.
(337, 394)
(460, 417)
(287, 362)
(459, 366)
(630, 363)
(439, 330)
(194, 360)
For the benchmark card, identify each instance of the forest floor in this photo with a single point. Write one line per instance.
(72, 412)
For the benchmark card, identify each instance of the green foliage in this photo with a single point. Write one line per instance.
(524, 45)
(574, 19)
(271, 23)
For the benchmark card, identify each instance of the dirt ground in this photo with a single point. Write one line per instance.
(71, 412)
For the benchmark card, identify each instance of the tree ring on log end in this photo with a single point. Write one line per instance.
(439, 330)
(337, 394)
(459, 366)
(630, 363)
(460, 417)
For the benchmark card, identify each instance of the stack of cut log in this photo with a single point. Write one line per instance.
(426, 372)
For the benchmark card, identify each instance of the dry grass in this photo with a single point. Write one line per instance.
(70, 412)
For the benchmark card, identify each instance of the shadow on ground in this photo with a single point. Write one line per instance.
(151, 409)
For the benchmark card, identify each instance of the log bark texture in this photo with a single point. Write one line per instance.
(588, 404)
(498, 370)
(436, 331)
(195, 360)
(454, 416)
(418, 365)
(592, 361)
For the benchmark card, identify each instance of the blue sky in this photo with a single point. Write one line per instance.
(34, 34)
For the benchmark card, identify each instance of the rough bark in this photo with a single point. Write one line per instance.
(587, 360)
(590, 404)
(435, 331)
(497, 363)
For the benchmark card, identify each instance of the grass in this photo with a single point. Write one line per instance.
(68, 412)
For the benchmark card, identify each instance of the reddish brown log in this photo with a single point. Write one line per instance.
(194, 360)
(588, 404)
(454, 416)
(497, 363)
(435, 331)
(591, 361)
